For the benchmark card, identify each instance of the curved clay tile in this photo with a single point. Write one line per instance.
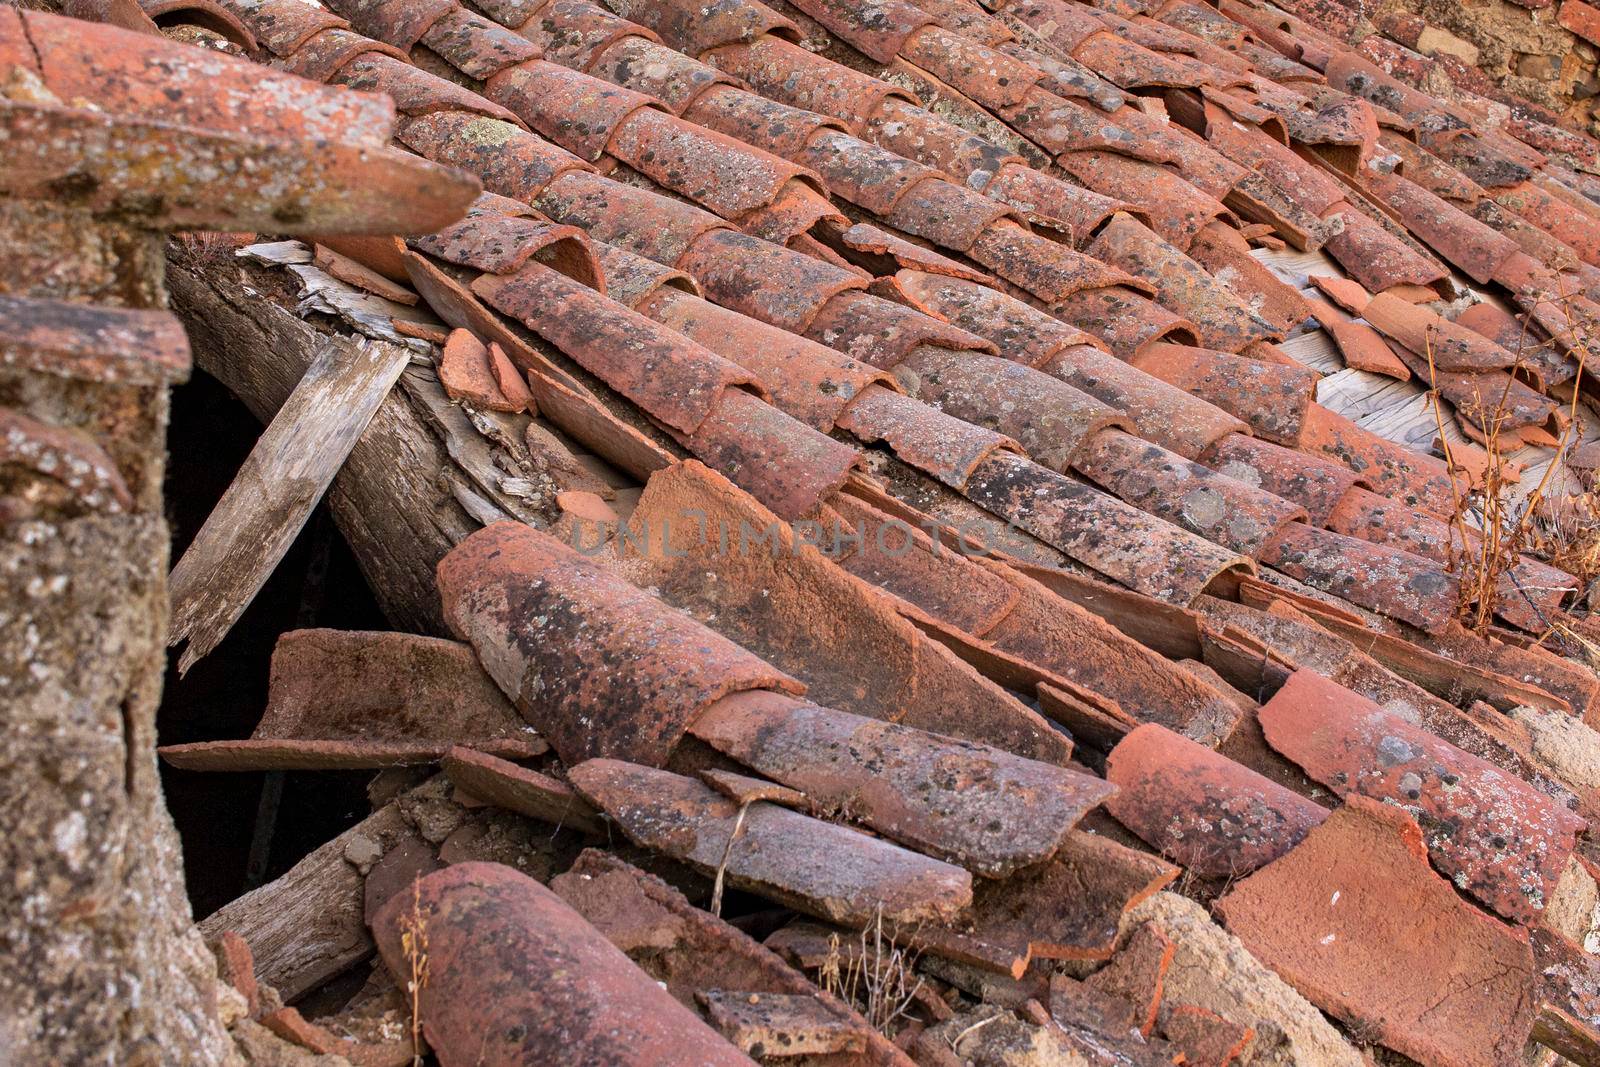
(677, 80)
(1046, 269)
(1199, 808)
(1416, 480)
(1314, 484)
(1461, 239)
(870, 241)
(1531, 594)
(1498, 838)
(1222, 251)
(69, 458)
(669, 377)
(1079, 647)
(782, 462)
(415, 92)
(656, 227)
(1361, 346)
(883, 333)
(1386, 580)
(1182, 285)
(953, 216)
(785, 131)
(1271, 397)
(510, 958)
(87, 63)
(1450, 347)
(1124, 319)
(1375, 257)
(988, 77)
(1166, 415)
(975, 806)
(630, 278)
(788, 73)
(1018, 331)
(167, 175)
(692, 26)
(1234, 514)
(862, 173)
(476, 46)
(822, 868)
(552, 627)
(878, 29)
(401, 23)
(1553, 215)
(282, 26)
(1050, 419)
(576, 33)
(1176, 209)
(510, 160)
(783, 599)
(1070, 908)
(941, 446)
(1048, 201)
(1144, 553)
(576, 111)
(809, 381)
(916, 133)
(499, 245)
(1068, 77)
(130, 346)
(906, 562)
(765, 281)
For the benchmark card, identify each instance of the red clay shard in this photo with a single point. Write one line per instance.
(1494, 835)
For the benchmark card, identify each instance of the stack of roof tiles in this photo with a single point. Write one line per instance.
(979, 503)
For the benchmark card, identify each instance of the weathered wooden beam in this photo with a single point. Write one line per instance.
(281, 481)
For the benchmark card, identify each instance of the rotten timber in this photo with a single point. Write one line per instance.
(273, 494)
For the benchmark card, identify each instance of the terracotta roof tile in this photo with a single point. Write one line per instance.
(1362, 895)
(1100, 531)
(1234, 514)
(1273, 399)
(819, 867)
(1069, 908)
(998, 813)
(1496, 837)
(509, 959)
(487, 583)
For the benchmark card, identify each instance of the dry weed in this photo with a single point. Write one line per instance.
(1494, 523)
(879, 979)
(414, 944)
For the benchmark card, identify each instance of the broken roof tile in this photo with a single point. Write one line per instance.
(504, 784)
(1216, 817)
(1356, 920)
(968, 804)
(1492, 834)
(813, 866)
(516, 972)
(1069, 908)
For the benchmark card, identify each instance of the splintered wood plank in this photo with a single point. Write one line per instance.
(273, 494)
(310, 924)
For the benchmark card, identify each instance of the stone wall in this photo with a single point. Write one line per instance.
(1543, 51)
